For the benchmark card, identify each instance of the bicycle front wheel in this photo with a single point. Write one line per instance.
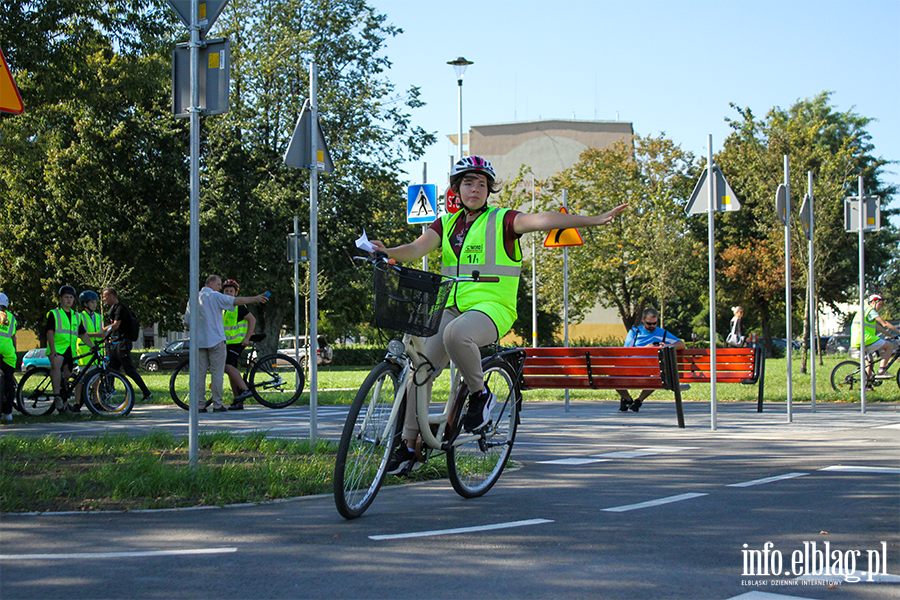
(276, 380)
(476, 460)
(109, 394)
(366, 442)
(845, 377)
(180, 387)
(34, 396)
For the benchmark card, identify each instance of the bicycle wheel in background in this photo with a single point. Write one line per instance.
(109, 393)
(475, 465)
(363, 452)
(180, 386)
(34, 395)
(845, 377)
(276, 380)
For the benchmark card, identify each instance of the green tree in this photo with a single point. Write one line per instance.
(836, 148)
(637, 258)
(91, 172)
(250, 197)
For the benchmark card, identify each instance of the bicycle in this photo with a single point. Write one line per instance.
(412, 302)
(105, 392)
(846, 376)
(275, 380)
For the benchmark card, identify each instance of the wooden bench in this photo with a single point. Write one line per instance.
(601, 368)
(733, 365)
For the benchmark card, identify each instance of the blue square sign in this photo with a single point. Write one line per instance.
(421, 203)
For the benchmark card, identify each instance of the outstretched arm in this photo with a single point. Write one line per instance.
(425, 243)
(545, 221)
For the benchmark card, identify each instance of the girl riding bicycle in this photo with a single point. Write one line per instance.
(477, 238)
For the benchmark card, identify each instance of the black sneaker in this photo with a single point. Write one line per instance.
(636, 406)
(220, 409)
(480, 407)
(237, 405)
(243, 395)
(624, 405)
(402, 461)
(205, 406)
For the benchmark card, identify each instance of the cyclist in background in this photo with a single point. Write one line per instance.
(7, 358)
(93, 325)
(477, 238)
(64, 325)
(239, 326)
(874, 324)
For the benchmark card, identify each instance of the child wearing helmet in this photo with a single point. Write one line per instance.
(477, 238)
(93, 323)
(7, 359)
(874, 324)
(64, 326)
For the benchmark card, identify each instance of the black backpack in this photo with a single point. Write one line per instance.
(134, 333)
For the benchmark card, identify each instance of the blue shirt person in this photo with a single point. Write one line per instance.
(648, 333)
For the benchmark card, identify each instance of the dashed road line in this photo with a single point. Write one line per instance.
(458, 530)
(657, 502)
(766, 480)
(134, 554)
(861, 469)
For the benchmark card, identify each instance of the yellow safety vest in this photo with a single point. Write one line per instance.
(871, 334)
(483, 251)
(7, 348)
(66, 330)
(93, 323)
(235, 330)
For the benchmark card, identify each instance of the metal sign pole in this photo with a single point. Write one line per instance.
(788, 347)
(197, 379)
(296, 288)
(566, 290)
(813, 309)
(313, 355)
(710, 177)
(534, 335)
(862, 297)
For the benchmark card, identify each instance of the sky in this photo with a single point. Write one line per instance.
(666, 67)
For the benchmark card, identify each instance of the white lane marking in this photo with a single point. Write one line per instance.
(400, 536)
(766, 480)
(135, 554)
(572, 461)
(666, 448)
(892, 426)
(627, 454)
(855, 469)
(651, 503)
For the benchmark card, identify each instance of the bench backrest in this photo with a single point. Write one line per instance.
(733, 365)
(595, 368)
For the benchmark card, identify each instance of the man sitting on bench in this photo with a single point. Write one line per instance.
(648, 334)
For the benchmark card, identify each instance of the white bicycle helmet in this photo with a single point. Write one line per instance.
(474, 164)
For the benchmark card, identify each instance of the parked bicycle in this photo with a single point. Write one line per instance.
(104, 391)
(412, 301)
(275, 380)
(847, 377)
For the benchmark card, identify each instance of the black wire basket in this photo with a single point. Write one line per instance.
(409, 300)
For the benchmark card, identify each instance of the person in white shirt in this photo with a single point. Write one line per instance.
(210, 334)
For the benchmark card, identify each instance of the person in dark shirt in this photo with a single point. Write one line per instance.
(120, 345)
(239, 326)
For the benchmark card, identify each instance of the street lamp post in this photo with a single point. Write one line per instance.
(459, 65)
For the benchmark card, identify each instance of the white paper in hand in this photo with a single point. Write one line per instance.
(363, 243)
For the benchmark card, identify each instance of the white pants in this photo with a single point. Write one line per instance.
(458, 338)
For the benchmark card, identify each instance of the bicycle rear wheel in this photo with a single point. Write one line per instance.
(34, 396)
(276, 380)
(364, 448)
(180, 387)
(109, 394)
(475, 461)
(845, 377)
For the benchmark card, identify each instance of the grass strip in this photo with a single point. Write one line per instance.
(121, 472)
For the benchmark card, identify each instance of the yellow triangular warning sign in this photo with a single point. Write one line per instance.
(557, 238)
(10, 100)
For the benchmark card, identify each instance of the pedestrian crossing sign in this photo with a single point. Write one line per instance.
(421, 203)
